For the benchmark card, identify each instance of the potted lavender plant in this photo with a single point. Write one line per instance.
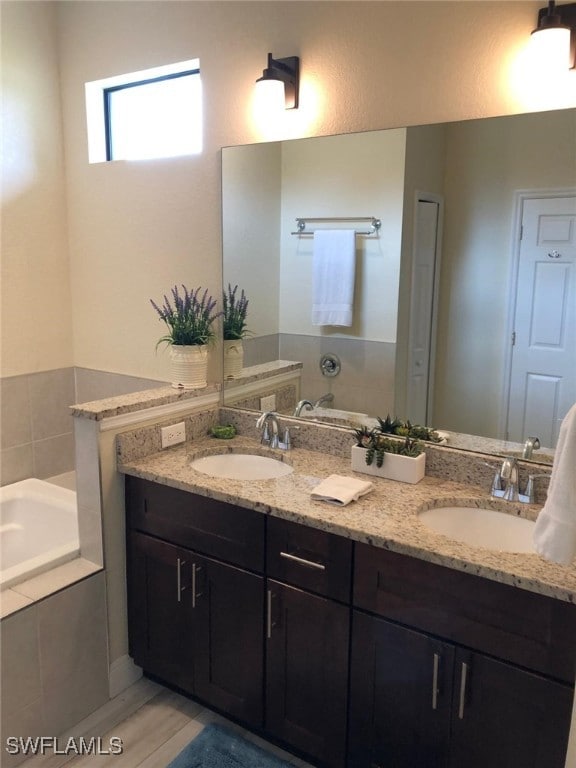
(189, 318)
(235, 309)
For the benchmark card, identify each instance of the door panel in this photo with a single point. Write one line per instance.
(161, 636)
(543, 372)
(400, 698)
(307, 673)
(229, 620)
(506, 717)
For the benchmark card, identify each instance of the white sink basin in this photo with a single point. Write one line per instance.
(481, 527)
(241, 466)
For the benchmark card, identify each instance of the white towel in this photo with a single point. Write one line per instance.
(333, 276)
(341, 490)
(555, 531)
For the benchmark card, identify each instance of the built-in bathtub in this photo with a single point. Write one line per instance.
(38, 529)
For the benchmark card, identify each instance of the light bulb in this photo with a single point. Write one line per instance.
(551, 48)
(270, 99)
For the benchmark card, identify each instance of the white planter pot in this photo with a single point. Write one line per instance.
(233, 358)
(188, 366)
(405, 469)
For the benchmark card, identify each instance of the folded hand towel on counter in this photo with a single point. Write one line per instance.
(333, 276)
(555, 530)
(341, 490)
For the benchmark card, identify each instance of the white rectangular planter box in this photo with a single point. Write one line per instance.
(405, 469)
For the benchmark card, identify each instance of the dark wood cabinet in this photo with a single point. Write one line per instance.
(196, 622)
(420, 700)
(159, 615)
(506, 716)
(352, 655)
(307, 672)
(400, 696)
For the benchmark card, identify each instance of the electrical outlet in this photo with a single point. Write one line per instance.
(172, 435)
(268, 403)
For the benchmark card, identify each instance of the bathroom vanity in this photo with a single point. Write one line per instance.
(351, 636)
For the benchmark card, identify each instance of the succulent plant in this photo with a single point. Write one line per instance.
(395, 426)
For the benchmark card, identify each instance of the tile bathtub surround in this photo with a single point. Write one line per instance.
(37, 431)
(362, 361)
(92, 384)
(54, 661)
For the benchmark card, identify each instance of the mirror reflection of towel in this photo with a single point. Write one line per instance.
(333, 276)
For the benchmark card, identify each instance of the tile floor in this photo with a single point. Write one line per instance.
(154, 724)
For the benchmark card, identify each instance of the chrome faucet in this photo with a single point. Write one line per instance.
(509, 473)
(301, 405)
(266, 418)
(505, 484)
(324, 400)
(270, 419)
(532, 444)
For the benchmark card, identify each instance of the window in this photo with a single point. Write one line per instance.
(150, 114)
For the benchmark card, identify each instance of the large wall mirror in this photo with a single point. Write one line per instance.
(464, 304)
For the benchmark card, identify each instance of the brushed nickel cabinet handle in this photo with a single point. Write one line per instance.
(463, 678)
(435, 669)
(269, 614)
(179, 588)
(195, 595)
(302, 561)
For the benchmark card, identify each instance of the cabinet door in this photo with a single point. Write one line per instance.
(307, 672)
(400, 696)
(228, 607)
(506, 717)
(159, 579)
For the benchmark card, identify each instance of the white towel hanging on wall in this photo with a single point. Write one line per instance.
(333, 276)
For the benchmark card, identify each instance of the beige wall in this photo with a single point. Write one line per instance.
(136, 228)
(35, 287)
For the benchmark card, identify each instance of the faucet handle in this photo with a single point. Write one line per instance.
(265, 439)
(287, 440)
(530, 486)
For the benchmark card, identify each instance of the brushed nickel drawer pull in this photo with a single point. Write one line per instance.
(302, 561)
(435, 668)
(462, 690)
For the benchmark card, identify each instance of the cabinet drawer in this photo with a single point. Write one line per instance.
(308, 558)
(513, 624)
(215, 528)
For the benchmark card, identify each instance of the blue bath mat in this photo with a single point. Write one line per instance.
(219, 747)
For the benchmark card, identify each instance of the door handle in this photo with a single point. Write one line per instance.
(196, 569)
(269, 622)
(302, 561)
(435, 670)
(179, 587)
(463, 681)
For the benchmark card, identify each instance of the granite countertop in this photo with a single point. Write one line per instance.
(386, 517)
(96, 410)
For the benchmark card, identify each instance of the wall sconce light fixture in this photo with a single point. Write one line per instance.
(280, 82)
(555, 35)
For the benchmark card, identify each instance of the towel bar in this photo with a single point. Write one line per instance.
(375, 224)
